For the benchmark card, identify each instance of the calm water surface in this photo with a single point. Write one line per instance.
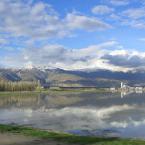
(106, 114)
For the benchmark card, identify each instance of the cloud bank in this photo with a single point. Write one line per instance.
(108, 55)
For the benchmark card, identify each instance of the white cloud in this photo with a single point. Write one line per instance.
(134, 13)
(102, 9)
(114, 16)
(40, 20)
(22, 19)
(65, 58)
(108, 55)
(126, 58)
(75, 21)
(138, 24)
(132, 17)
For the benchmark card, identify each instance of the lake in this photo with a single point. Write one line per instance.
(98, 114)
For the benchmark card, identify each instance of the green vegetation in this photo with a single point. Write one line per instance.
(75, 90)
(19, 93)
(68, 138)
(59, 91)
(22, 86)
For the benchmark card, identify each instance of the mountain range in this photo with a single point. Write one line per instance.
(77, 78)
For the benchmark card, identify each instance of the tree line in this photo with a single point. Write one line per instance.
(19, 86)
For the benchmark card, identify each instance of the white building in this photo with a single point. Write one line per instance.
(138, 89)
(123, 85)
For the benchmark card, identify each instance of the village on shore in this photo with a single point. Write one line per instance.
(126, 88)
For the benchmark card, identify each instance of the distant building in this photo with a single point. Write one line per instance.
(138, 89)
(124, 86)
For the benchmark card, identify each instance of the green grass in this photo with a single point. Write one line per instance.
(50, 91)
(67, 138)
(97, 90)
(17, 93)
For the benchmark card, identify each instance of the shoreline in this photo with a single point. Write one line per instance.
(65, 138)
(55, 91)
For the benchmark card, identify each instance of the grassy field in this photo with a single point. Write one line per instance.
(67, 138)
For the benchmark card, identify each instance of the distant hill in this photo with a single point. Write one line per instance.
(98, 78)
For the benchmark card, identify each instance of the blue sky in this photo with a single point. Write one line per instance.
(76, 34)
(118, 32)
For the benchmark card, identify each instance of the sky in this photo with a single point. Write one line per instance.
(73, 35)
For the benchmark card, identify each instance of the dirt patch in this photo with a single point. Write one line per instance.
(12, 139)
